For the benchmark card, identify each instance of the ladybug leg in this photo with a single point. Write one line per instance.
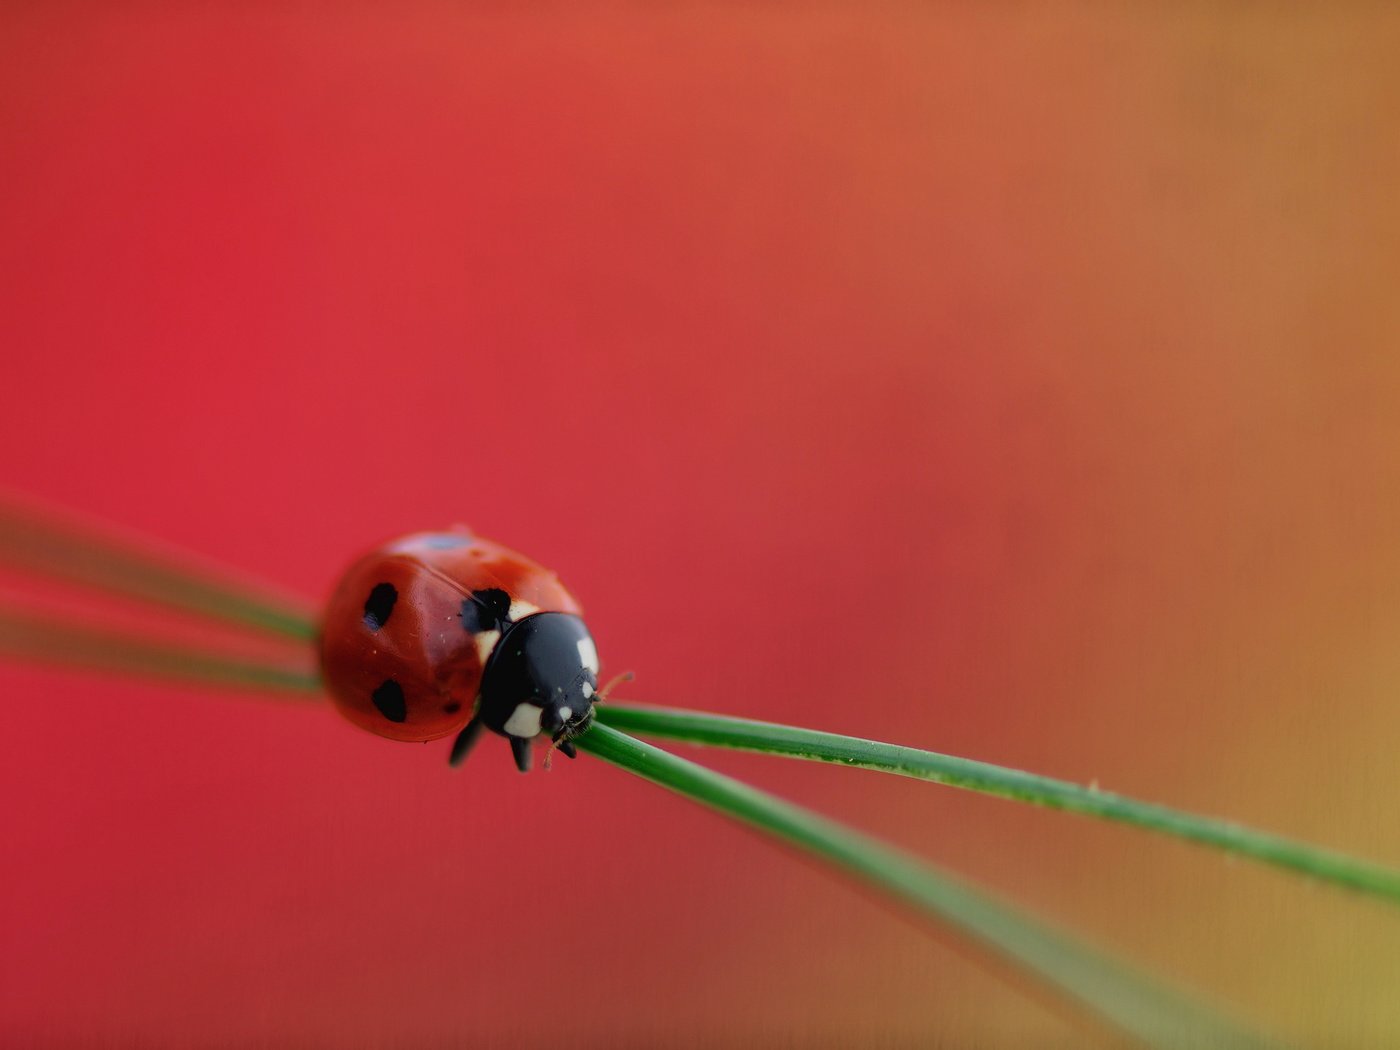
(463, 744)
(568, 749)
(521, 747)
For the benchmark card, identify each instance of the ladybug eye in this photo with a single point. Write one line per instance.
(379, 606)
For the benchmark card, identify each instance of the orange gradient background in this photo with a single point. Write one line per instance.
(1019, 385)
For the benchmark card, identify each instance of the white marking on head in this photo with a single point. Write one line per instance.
(587, 690)
(520, 609)
(485, 642)
(524, 721)
(566, 713)
(588, 653)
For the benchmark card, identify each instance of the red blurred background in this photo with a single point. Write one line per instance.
(1016, 385)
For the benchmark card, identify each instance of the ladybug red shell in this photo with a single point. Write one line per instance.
(446, 632)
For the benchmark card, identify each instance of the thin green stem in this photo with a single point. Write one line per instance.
(1130, 1001)
(46, 641)
(97, 556)
(698, 727)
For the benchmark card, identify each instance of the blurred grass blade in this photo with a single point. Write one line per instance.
(68, 548)
(47, 641)
(698, 727)
(1129, 1001)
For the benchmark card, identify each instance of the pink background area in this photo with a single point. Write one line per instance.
(1020, 386)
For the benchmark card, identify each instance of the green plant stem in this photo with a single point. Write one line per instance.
(1129, 1001)
(46, 641)
(697, 727)
(97, 556)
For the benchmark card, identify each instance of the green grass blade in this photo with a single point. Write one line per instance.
(1124, 998)
(47, 641)
(67, 548)
(697, 727)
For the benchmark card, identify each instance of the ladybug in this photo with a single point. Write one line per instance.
(446, 632)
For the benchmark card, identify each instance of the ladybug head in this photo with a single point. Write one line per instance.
(548, 662)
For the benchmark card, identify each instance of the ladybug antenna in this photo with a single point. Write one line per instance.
(602, 694)
(565, 746)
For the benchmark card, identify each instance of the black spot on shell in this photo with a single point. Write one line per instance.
(486, 610)
(476, 619)
(389, 699)
(452, 708)
(379, 606)
(497, 600)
